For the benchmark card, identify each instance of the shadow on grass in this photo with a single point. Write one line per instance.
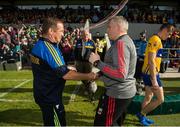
(28, 117)
(171, 90)
(17, 90)
(77, 119)
(33, 117)
(70, 88)
(131, 122)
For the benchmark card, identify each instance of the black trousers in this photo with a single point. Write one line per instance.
(53, 115)
(111, 111)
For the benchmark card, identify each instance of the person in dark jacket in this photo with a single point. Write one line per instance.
(84, 46)
(50, 73)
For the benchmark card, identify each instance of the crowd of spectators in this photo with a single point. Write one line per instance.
(16, 42)
(35, 16)
(17, 39)
(152, 15)
(172, 49)
(79, 15)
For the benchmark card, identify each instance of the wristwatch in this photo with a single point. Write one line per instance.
(96, 63)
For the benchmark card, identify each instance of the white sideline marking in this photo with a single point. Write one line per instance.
(73, 95)
(12, 80)
(10, 90)
(10, 100)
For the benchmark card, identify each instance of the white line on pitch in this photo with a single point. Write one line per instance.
(12, 80)
(73, 95)
(10, 90)
(14, 100)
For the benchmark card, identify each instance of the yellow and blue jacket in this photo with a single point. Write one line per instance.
(48, 68)
(155, 46)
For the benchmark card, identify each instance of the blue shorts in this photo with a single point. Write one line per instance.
(147, 80)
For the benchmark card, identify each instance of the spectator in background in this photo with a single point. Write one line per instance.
(100, 46)
(4, 35)
(178, 55)
(95, 18)
(173, 55)
(140, 61)
(143, 44)
(66, 50)
(84, 46)
(170, 20)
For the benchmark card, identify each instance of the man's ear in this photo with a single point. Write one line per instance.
(50, 31)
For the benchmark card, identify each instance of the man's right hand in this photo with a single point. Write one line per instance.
(93, 57)
(93, 76)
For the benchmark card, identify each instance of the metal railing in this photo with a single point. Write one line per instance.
(167, 51)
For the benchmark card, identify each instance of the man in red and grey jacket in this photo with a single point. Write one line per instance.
(117, 72)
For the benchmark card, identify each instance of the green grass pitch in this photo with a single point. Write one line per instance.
(17, 107)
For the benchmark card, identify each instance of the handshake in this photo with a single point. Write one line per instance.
(93, 76)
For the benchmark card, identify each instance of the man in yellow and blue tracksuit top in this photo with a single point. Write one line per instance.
(50, 73)
(45, 56)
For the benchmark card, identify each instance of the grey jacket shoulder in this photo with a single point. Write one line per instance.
(118, 69)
